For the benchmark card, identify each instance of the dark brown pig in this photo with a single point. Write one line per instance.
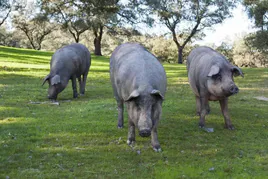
(211, 78)
(139, 80)
(69, 62)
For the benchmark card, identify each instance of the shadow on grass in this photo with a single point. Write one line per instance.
(99, 71)
(29, 52)
(24, 59)
(17, 79)
(101, 59)
(16, 69)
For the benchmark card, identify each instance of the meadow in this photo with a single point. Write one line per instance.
(79, 138)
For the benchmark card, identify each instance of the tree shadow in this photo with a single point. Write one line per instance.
(25, 59)
(28, 52)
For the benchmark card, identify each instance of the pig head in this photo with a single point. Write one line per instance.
(56, 85)
(144, 108)
(220, 81)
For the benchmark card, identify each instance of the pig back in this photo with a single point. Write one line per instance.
(199, 62)
(133, 67)
(71, 59)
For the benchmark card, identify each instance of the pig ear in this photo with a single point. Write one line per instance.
(157, 92)
(214, 70)
(55, 80)
(237, 71)
(46, 78)
(134, 94)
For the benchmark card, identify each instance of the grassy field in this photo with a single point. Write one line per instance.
(79, 137)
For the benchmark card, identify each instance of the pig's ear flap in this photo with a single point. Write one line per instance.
(46, 79)
(134, 94)
(214, 70)
(55, 80)
(158, 93)
(237, 71)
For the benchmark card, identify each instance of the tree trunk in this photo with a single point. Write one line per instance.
(77, 38)
(97, 40)
(180, 60)
(97, 45)
(179, 47)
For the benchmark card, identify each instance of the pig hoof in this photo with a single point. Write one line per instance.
(130, 142)
(157, 149)
(230, 127)
(120, 126)
(201, 125)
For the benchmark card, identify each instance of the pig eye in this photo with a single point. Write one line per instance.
(217, 77)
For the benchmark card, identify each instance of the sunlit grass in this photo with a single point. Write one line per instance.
(79, 138)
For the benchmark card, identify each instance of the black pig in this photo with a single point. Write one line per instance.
(69, 62)
(139, 80)
(211, 79)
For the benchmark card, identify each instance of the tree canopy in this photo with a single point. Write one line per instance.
(258, 11)
(77, 16)
(186, 18)
(36, 29)
(35, 25)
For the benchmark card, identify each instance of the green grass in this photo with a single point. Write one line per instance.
(79, 138)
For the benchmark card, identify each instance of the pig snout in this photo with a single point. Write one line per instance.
(233, 89)
(145, 133)
(52, 94)
(52, 97)
(145, 126)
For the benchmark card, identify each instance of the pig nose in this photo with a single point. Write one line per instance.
(234, 89)
(145, 133)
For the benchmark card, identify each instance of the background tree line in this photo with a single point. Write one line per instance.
(102, 25)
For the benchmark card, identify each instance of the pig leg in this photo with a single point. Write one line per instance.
(203, 112)
(80, 85)
(156, 117)
(120, 108)
(197, 99)
(131, 133)
(225, 112)
(83, 84)
(154, 141)
(74, 86)
(208, 109)
(198, 106)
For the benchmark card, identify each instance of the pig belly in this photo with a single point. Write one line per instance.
(214, 98)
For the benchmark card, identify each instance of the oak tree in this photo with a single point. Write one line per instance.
(186, 18)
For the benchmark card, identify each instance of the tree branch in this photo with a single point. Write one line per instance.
(70, 30)
(3, 20)
(127, 18)
(194, 30)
